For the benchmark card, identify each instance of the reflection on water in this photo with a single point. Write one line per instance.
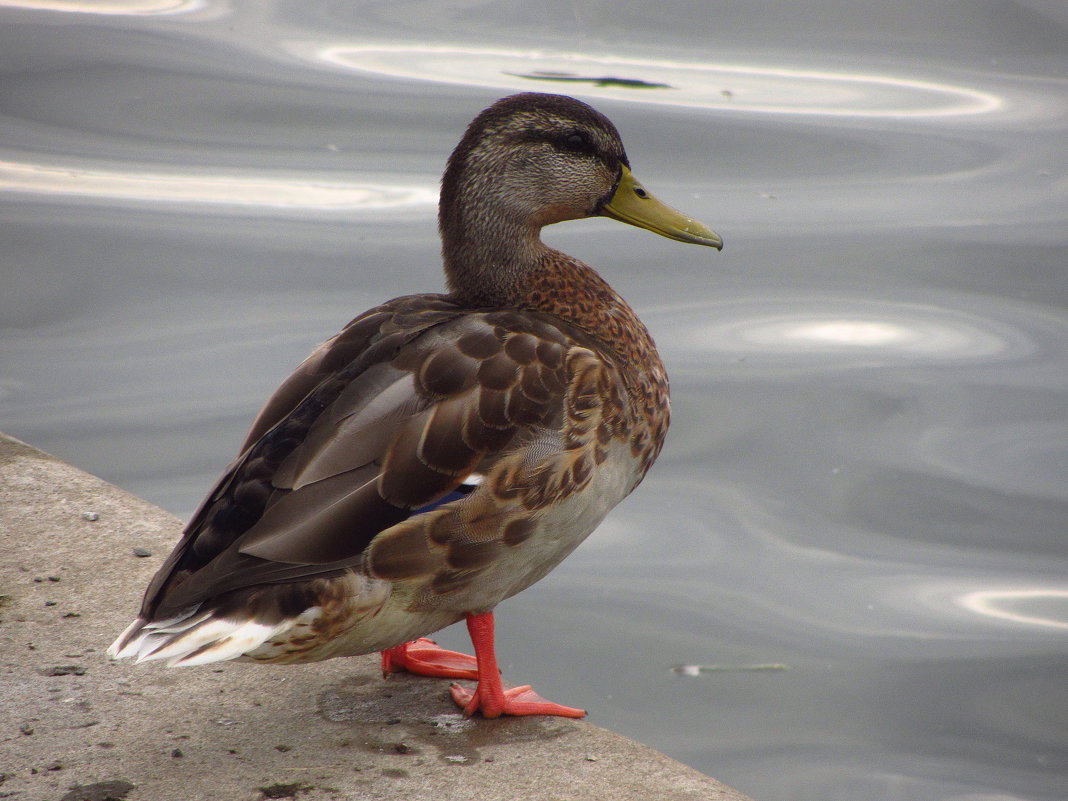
(114, 7)
(842, 327)
(1047, 608)
(866, 481)
(254, 190)
(760, 89)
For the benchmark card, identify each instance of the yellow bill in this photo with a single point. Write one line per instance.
(634, 205)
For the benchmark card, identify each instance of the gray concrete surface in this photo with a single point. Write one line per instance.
(74, 725)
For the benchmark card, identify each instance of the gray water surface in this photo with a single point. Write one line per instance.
(865, 489)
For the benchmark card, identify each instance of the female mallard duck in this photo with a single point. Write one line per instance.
(442, 452)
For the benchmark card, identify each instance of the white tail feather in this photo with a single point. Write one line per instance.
(192, 639)
(132, 641)
(239, 640)
(121, 647)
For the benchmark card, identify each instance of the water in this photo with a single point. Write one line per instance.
(866, 480)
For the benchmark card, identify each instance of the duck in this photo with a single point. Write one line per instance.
(443, 451)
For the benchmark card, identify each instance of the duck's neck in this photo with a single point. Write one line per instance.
(494, 258)
(489, 260)
(510, 267)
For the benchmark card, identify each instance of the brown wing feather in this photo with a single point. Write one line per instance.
(326, 359)
(442, 553)
(396, 410)
(242, 494)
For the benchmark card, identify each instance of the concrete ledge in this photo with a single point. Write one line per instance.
(74, 725)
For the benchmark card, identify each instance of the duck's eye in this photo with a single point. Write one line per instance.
(578, 142)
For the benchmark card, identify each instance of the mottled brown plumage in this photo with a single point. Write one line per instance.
(442, 452)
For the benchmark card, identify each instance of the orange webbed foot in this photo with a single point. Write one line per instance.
(425, 658)
(489, 696)
(493, 702)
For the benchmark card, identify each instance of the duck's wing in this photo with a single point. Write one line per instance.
(388, 417)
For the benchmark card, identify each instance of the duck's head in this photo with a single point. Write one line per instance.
(530, 160)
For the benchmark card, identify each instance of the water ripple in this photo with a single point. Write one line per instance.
(1026, 606)
(691, 84)
(1046, 608)
(843, 327)
(242, 190)
(115, 8)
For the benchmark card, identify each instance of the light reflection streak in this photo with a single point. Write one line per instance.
(111, 8)
(842, 327)
(735, 87)
(998, 604)
(220, 190)
(847, 333)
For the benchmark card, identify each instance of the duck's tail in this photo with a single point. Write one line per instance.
(193, 637)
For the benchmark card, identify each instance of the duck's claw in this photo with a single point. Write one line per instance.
(425, 658)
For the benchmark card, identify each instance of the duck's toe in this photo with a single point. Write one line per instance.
(426, 658)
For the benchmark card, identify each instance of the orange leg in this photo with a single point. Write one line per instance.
(425, 658)
(489, 697)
